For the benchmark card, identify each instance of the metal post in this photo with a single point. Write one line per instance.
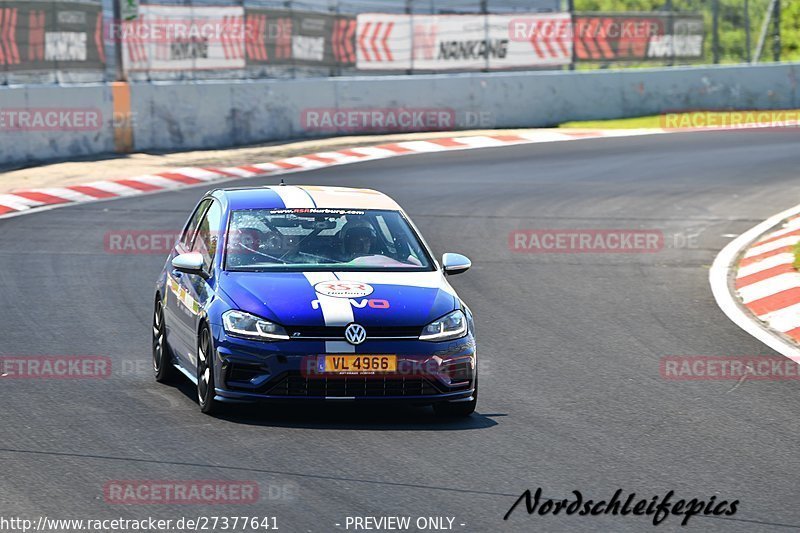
(292, 62)
(715, 43)
(747, 37)
(413, 51)
(337, 68)
(670, 31)
(764, 29)
(571, 9)
(776, 42)
(116, 39)
(485, 13)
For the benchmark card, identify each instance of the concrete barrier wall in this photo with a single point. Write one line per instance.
(223, 114)
(190, 115)
(43, 122)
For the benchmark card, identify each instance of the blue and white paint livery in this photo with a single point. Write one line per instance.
(312, 293)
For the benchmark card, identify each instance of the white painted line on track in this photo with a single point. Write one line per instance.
(785, 319)
(18, 202)
(771, 246)
(769, 286)
(764, 264)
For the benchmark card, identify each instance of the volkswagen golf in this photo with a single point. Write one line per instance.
(290, 293)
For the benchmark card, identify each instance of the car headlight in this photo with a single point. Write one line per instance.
(450, 326)
(241, 324)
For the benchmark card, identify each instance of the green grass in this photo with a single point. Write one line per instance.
(686, 120)
(796, 252)
(617, 124)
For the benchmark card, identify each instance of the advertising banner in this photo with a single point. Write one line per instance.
(183, 38)
(42, 36)
(637, 37)
(295, 38)
(462, 42)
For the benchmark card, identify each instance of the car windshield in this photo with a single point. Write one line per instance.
(322, 239)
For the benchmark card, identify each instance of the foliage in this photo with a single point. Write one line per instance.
(732, 24)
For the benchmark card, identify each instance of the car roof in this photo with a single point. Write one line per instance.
(305, 196)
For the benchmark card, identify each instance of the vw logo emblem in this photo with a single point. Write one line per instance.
(355, 334)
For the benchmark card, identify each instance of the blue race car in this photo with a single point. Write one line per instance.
(312, 293)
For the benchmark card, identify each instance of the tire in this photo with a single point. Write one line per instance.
(205, 373)
(163, 369)
(457, 409)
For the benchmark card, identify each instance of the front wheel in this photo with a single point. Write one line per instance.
(163, 369)
(205, 373)
(457, 409)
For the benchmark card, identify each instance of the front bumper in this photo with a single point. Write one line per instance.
(253, 371)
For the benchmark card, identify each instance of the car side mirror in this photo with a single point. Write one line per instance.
(455, 264)
(191, 263)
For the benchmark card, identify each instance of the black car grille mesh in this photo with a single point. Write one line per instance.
(294, 384)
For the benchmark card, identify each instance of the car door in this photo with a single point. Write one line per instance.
(199, 290)
(180, 338)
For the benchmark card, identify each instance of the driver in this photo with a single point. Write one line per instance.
(358, 239)
(247, 246)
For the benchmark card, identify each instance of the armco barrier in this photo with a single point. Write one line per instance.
(214, 114)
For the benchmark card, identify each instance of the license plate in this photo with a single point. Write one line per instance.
(360, 364)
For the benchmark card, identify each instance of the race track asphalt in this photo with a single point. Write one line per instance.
(570, 344)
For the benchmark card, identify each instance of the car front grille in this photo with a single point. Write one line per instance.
(296, 385)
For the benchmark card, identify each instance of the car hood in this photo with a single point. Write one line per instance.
(396, 299)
